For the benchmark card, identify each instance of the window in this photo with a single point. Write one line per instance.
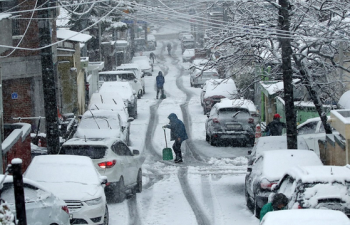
(94, 152)
(121, 149)
(309, 128)
(286, 186)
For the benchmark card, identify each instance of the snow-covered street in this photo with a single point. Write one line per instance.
(208, 187)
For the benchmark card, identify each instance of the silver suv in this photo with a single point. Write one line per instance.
(229, 123)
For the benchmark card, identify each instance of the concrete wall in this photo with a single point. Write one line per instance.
(334, 152)
(6, 33)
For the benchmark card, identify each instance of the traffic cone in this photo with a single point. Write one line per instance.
(39, 143)
(257, 133)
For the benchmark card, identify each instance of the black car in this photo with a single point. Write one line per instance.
(227, 123)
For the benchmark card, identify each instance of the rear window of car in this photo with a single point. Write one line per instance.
(209, 74)
(230, 112)
(107, 77)
(94, 152)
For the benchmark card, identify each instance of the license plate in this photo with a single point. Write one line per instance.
(70, 216)
(233, 126)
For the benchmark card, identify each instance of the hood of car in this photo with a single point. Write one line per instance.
(74, 191)
(326, 193)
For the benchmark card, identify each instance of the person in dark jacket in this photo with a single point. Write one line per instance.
(152, 57)
(177, 134)
(275, 127)
(160, 83)
(279, 202)
(169, 48)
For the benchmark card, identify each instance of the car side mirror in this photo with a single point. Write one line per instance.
(249, 152)
(104, 180)
(135, 80)
(143, 75)
(80, 116)
(274, 187)
(136, 152)
(130, 119)
(249, 169)
(207, 115)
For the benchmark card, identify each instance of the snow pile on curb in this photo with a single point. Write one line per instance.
(6, 216)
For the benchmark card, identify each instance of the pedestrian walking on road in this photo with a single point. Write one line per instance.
(279, 202)
(177, 134)
(275, 127)
(152, 57)
(160, 80)
(169, 48)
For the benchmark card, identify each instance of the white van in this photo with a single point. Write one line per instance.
(125, 76)
(137, 70)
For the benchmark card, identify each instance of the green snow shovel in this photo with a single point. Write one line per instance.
(167, 152)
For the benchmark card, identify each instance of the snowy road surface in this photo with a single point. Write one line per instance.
(208, 188)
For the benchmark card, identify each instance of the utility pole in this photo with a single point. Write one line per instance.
(48, 77)
(284, 25)
(19, 192)
(1, 123)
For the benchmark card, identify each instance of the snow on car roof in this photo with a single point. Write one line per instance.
(62, 169)
(129, 65)
(306, 217)
(122, 88)
(344, 102)
(269, 143)
(107, 98)
(276, 163)
(226, 88)
(117, 72)
(310, 174)
(107, 141)
(243, 103)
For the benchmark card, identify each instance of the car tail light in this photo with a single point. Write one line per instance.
(299, 206)
(250, 120)
(65, 208)
(215, 120)
(108, 164)
(265, 184)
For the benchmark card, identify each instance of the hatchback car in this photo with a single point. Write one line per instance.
(229, 123)
(138, 73)
(114, 159)
(144, 63)
(269, 143)
(316, 187)
(42, 207)
(125, 91)
(214, 90)
(305, 217)
(101, 124)
(123, 76)
(200, 76)
(75, 180)
(268, 169)
(187, 55)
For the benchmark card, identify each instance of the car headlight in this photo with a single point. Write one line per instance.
(95, 201)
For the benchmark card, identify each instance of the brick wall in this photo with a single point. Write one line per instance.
(20, 107)
(19, 150)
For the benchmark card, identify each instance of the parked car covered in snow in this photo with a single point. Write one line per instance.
(125, 91)
(305, 217)
(268, 143)
(102, 124)
(227, 123)
(214, 90)
(268, 169)
(138, 73)
(75, 180)
(144, 63)
(123, 76)
(114, 159)
(316, 187)
(42, 207)
(199, 76)
(187, 55)
(109, 101)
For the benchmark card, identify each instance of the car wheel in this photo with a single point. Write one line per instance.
(248, 201)
(207, 137)
(138, 187)
(106, 217)
(144, 90)
(212, 141)
(119, 191)
(257, 210)
(204, 111)
(191, 84)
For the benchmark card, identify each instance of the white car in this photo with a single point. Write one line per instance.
(114, 159)
(187, 55)
(138, 73)
(269, 143)
(75, 180)
(101, 124)
(187, 37)
(42, 207)
(182, 33)
(109, 101)
(200, 76)
(312, 130)
(144, 63)
(305, 217)
(122, 76)
(125, 91)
